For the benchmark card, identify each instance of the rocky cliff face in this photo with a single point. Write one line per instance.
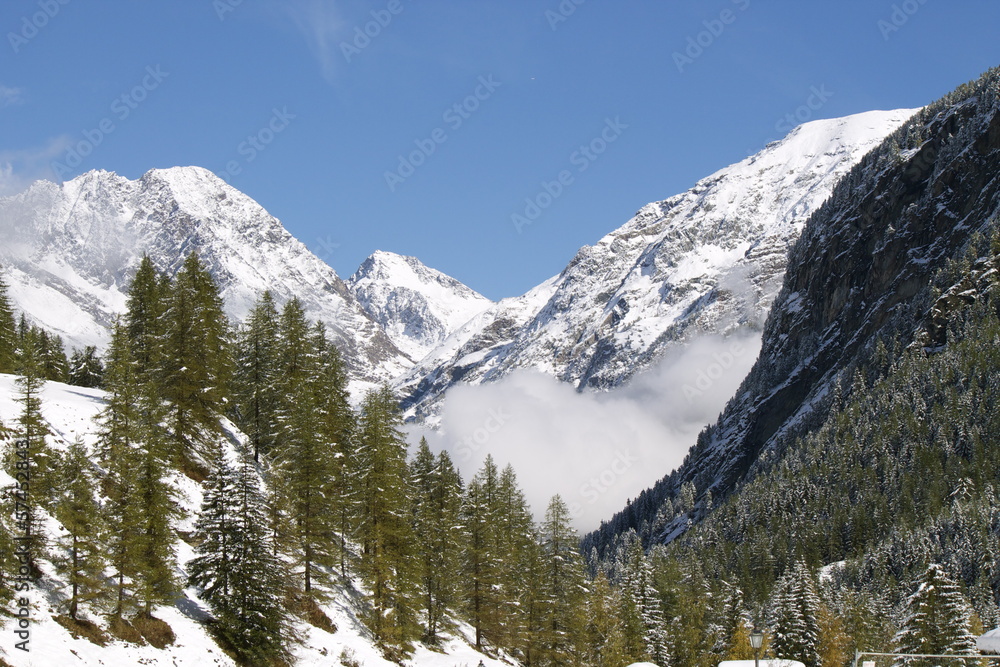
(707, 260)
(70, 251)
(859, 273)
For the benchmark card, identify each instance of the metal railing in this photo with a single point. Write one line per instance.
(951, 656)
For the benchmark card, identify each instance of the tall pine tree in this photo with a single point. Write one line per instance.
(240, 577)
(255, 385)
(304, 467)
(385, 531)
(938, 620)
(197, 363)
(437, 498)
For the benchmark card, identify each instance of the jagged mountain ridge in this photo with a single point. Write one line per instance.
(860, 273)
(70, 251)
(418, 307)
(707, 260)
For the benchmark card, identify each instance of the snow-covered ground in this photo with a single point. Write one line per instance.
(69, 412)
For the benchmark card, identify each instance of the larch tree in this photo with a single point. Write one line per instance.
(140, 507)
(385, 530)
(197, 364)
(516, 536)
(82, 559)
(564, 585)
(304, 463)
(437, 498)
(145, 320)
(482, 565)
(255, 384)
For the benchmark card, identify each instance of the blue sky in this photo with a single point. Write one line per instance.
(297, 107)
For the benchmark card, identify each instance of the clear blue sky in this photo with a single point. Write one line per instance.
(208, 83)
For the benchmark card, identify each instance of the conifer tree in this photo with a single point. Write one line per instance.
(145, 320)
(337, 425)
(76, 509)
(796, 611)
(120, 432)
(605, 630)
(154, 500)
(516, 541)
(384, 527)
(641, 595)
(437, 498)
(8, 332)
(52, 355)
(564, 585)
(304, 462)
(255, 385)
(85, 368)
(241, 579)
(938, 619)
(141, 508)
(482, 563)
(31, 427)
(197, 362)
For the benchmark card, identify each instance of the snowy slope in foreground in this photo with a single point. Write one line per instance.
(69, 412)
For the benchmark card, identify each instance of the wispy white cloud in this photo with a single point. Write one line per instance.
(19, 168)
(10, 96)
(321, 24)
(596, 449)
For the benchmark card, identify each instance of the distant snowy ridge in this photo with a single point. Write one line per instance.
(709, 260)
(70, 250)
(417, 307)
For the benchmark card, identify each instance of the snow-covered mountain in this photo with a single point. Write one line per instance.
(707, 260)
(417, 307)
(861, 284)
(70, 250)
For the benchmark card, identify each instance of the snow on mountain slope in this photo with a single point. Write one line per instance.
(69, 412)
(708, 260)
(70, 250)
(417, 307)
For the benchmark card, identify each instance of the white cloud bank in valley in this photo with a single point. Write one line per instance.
(596, 449)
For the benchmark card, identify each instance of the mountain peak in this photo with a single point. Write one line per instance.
(73, 248)
(417, 306)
